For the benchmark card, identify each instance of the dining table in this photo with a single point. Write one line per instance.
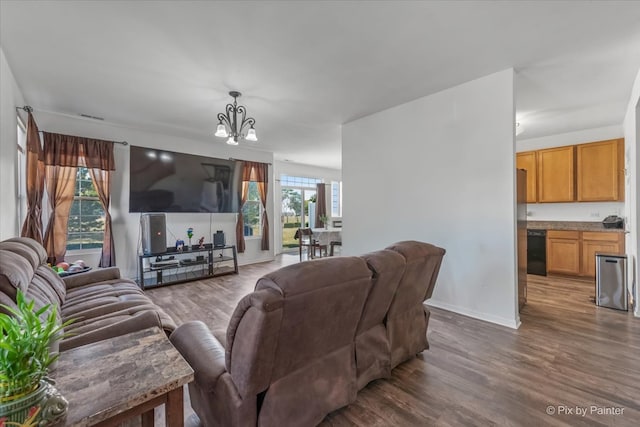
(324, 236)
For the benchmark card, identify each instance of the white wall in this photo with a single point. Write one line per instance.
(632, 165)
(298, 169)
(591, 211)
(441, 169)
(126, 226)
(10, 99)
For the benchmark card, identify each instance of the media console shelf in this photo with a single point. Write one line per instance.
(173, 267)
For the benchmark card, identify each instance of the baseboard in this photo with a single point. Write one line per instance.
(255, 260)
(509, 323)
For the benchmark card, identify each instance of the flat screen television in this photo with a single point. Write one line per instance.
(166, 181)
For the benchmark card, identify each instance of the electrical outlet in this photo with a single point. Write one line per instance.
(529, 213)
(595, 214)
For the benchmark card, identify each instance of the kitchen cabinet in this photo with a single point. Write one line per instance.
(527, 161)
(556, 174)
(573, 253)
(592, 172)
(594, 242)
(600, 171)
(563, 252)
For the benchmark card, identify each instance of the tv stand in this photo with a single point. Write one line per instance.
(172, 267)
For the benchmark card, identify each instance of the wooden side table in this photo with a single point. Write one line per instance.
(110, 381)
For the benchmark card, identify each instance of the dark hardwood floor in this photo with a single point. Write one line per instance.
(568, 356)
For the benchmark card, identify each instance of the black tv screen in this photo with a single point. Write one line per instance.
(165, 181)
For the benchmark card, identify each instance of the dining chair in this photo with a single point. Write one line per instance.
(332, 245)
(306, 240)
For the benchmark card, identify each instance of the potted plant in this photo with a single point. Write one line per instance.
(27, 397)
(325, 220)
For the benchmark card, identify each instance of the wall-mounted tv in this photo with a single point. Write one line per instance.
(165, 181)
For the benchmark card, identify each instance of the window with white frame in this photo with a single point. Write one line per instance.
(86, 219)
(299, 181)
(252, 211)
(336, 199)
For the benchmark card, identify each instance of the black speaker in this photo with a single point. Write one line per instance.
(154, 230)
(218, 239)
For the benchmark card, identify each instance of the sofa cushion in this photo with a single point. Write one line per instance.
(115, 324)
(101, 305)
(314, 366)
(33, 245)
(25, 251)
(373, 359)
(97, 290)
(16, 272)
(44, 272)
(41, 293)
(387, 268)
(407, 319)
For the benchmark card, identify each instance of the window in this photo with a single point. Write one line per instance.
(299, 181)
(86, 219)
(252, 211)
(336, 199)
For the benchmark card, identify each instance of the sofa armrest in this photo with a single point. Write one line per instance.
(99, 275)
(202, 351)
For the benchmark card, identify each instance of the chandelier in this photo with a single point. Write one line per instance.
(230, 127)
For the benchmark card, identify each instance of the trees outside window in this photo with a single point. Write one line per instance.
(252, 211)
(86, 218)
(296, 194)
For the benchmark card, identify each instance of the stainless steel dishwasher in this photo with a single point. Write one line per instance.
(611, 281)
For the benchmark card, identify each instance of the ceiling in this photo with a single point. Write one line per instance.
(307, 67)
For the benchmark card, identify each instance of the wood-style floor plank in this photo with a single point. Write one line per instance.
(567, 354)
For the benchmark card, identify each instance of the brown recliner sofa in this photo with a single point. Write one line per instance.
(310, 336)
(103, 304)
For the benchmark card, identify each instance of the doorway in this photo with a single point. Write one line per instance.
(298, 205)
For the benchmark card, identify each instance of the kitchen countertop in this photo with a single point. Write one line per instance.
(571, 225)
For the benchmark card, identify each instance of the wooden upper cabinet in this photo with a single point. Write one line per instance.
(556, 174)
(527, 161)
(600, 171)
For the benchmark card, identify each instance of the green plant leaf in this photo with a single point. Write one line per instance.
(25, 346)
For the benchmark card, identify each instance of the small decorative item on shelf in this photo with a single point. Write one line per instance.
(189, 235)
(179, 245)
(201, 243)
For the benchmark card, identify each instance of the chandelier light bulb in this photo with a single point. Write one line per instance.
(251, 135)
(221, 131)
(232, 141)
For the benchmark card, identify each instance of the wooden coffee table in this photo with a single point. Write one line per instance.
(110, 381)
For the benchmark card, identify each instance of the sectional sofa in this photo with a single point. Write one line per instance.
(102, 303)
(310, 336)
